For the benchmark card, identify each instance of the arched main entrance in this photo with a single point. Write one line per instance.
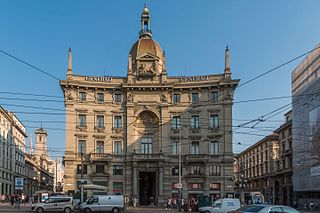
(147, 130)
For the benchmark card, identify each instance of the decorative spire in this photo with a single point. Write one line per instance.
(69, 72)
(145, 22)
(227, 63)
(30, 146)
(227, 71)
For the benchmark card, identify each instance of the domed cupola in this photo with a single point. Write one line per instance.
(146, 59)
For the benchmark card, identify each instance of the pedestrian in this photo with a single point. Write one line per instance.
(305, 206)
(12, 200)
(311, 204)
(3, 198)
(17, 202)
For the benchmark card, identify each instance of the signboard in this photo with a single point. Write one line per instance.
(178, 185)
(18, 183)
(193, 78)
(98, 78)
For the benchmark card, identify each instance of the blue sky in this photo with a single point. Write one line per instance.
(194, 34)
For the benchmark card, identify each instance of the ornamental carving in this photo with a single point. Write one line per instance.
(146, 69)
(67, 95)
(147, 119)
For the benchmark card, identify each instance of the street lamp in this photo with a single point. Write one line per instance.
(37, 178)
(180, 183)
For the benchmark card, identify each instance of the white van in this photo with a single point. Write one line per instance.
(222, 206)
(103, 203)
(54, 203)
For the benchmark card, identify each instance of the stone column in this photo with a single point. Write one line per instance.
(160, 180)
(134, 179)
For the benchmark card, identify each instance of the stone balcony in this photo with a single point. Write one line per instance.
(100, 157)
(147, 157)
(196, 158)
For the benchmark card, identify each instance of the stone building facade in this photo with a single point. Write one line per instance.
(283, 174)
(127, 131)
(12, 152)
(255, 168)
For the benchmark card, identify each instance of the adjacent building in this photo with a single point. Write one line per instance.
(306, 126)
(12, 152)
(125, 133)
(283, 174)
(40, 172)
(255, 168)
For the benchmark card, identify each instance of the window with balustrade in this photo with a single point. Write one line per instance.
(214, 147)
(82, 120)
(215, 170)
(117, 122)
(100, 121)
(146, 145)
(117, 147)
(195, 121)
(176, 122)
(195, 147)
(100, 147)
(214, 121)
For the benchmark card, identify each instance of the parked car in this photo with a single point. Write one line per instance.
(222, 206)
(54, 204)
(103, 203)
(261, 208)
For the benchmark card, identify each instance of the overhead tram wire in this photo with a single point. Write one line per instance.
(28, 64)
(30, 94)
(277, 67)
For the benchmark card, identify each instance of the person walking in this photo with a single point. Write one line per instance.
(12, 200)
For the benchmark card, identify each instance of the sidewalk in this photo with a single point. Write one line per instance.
(8, 208)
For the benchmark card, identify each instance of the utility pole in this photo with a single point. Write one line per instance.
(180, 182)
(56, 187)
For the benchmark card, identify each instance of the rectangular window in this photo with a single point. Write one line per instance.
(79, 168)
(82, 96)
(175, 171)
(82, 120)
(117, 170)
(99, 168)
(175, 147)
(176, 122)
(215, 170)
(176, 98)
(195, 170)
(215, 186)
(146, 145)
(100, 97)
(100, 121)
(117, 147)
(82, 147)
(214, 96)
(117, 122)
(195, 97)
(195, 121)
(195, 148)
(214, 121)
(100, 147)
(118, 97)
(214, 148)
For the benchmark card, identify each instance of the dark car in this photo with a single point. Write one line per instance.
(261, 208)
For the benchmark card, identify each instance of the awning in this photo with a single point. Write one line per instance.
(93, 187)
